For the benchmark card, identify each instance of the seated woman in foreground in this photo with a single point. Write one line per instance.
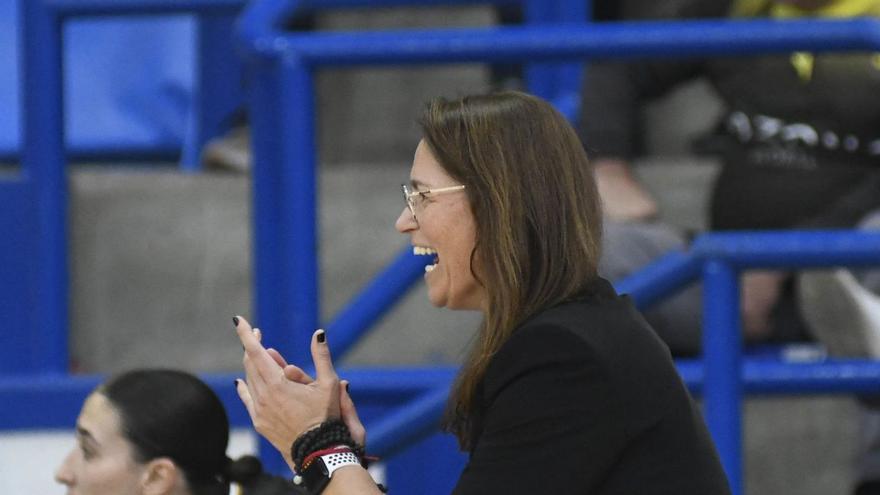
(159, 432)
(566, 388)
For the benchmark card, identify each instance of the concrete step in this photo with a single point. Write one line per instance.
(161, 260)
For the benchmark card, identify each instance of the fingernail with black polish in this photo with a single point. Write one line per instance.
(235, 321)
(235, 383)
(321, 337)
(347, 387)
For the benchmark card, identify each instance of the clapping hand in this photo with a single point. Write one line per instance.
(282, 400)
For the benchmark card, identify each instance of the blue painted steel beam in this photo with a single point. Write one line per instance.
(217, 92)
(66, 8)
(409, 424)
(43, 167)
(18, 351)
(297, 302)
(51, 401)
(559, 83)
(791, 249)
(772, 377)
(294, 309)
(558, 43)
(375, 299)
(261, 20)
(661, 278)
(722, 343)
(54, 400)
(266, 211)
(779, 249)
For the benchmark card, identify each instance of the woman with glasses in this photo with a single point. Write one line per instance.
(159, 432)
(566, 389)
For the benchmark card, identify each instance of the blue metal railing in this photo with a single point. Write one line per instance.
(43, 177)
(217, 89)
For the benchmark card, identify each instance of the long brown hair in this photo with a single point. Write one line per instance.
(537, 214)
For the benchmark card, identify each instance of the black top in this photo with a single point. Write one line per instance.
(584, 399)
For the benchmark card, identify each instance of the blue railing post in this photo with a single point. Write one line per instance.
(298, 222)
(375, 299)
(217, 92)
(557, 82)
(722, 392)
(43, 165)
(284, 197)
(266, 193)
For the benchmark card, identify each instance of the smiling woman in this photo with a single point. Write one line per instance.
(159, 432)
(566, 388)
(446, 230)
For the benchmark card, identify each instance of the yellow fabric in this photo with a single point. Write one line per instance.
(834, 9)
(779, 10)
(803, 65)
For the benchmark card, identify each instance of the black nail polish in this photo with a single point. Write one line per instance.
(348, 388)
(235, 383)
(322, 337)
(235, 321)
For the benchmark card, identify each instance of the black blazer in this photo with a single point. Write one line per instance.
(584, 399)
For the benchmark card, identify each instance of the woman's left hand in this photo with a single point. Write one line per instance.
(346, 405)
(282, 409)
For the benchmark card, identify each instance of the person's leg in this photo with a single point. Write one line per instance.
(869, 448)
(870, 277)
(842, 308)
(629, 247)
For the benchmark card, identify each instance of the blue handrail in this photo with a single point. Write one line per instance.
(261, 24)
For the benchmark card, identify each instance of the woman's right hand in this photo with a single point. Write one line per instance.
(282, 409)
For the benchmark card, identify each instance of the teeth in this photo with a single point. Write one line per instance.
(423, 251)
(430, 268)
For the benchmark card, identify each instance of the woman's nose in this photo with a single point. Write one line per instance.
(405, 221)
(64, 474)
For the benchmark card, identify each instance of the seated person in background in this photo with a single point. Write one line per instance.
(799, 144)
(159, 432)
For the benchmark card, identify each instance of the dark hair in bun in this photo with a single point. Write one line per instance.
(170, 413)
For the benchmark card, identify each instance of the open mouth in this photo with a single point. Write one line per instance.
(426, 251)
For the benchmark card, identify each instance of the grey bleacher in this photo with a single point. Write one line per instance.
(160, 259)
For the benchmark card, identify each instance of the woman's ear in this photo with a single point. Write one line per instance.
(161, 477)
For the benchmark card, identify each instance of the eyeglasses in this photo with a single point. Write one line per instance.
(414, 199)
